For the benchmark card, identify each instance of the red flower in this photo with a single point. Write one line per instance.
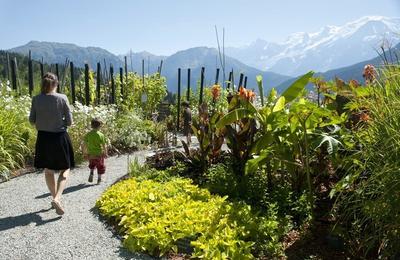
(369, 73)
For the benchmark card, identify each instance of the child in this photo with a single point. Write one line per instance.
(187, 122)
(95, 150)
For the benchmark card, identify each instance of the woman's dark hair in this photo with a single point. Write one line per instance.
(185, 103)
(96, 123)
(49, 82)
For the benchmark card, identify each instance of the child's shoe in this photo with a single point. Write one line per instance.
(90, 177)
(99, 180)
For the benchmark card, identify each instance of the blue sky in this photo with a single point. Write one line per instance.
(165, 26)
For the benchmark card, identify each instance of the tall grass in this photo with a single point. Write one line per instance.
(371, 203)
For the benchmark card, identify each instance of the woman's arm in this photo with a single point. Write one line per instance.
(32, 114)
(67, 113)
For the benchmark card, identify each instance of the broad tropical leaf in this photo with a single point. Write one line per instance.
(279, 105)
(297, 87)
(332, 144)
(233, 116)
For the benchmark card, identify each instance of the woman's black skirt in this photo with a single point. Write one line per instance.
(54, 151)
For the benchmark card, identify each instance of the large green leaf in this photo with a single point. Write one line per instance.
(253, 164)
(279, 105)
(233, 116)
(262, 143)
(332, 144)
(297, 87)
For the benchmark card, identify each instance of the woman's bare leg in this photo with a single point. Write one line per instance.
(61, 183)
(50, 181)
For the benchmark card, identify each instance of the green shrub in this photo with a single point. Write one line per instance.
(153, 216)
(16, 135)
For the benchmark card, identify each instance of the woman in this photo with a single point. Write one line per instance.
(51, 115)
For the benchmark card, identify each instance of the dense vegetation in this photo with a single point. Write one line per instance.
(292, 161)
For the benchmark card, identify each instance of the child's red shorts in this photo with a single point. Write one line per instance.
(97, 162)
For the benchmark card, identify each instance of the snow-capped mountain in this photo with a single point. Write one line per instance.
(329, 48)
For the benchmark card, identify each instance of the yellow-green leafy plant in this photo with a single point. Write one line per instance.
(153, 216)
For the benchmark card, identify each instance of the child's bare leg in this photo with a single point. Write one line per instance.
(50, 181)
(61, 184)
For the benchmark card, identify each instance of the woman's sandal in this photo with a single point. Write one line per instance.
(58, 207)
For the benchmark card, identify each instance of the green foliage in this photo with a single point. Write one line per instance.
(147, 96)
(280, 136)
(16, 135)
(153, 216)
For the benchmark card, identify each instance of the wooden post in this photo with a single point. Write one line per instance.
(13, 75)
(217, 77)
(98, 82)
(179, 100)
(87, 90)
(8, 67)
(229, 80)
(143, 73)
(188, 86)
(126, 70)
(233, 81)
(112, 85)
(41, 70)
(58, 77)
(121, 79)
(240, 81)
(30, 74)
(201, 85)
(161, 63)
(71, 65)
(245, 82)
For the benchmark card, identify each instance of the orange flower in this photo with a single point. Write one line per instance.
(369, 73)
(251, 95)
(216, 92)
(246, 94)
(243, 92)
(364, 117)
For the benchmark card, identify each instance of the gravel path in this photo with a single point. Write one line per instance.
(29, 229)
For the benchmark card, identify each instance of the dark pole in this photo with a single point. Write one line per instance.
(229, 80)
(87, 93)
(41, 69)
(121, 78)
(112, 85)
(245, 82)
(161, 63)
(30, 74)
(71, 65)
(233, 81)
(217, 77)
(126, 69)
(188, 86)
(240, 81)
(8, 66)
(13, 75)
(143, 73)
(179, 100)
(58, 77)
(201, 85)
(98, 82)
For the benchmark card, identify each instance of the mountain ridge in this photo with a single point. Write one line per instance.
(331, 47)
